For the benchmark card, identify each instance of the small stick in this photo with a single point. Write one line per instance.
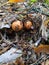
(4, 50)
(4, 4)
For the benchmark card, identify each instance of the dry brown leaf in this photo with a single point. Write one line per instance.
(42, 48)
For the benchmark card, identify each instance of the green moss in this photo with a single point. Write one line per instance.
(47, 1)
(32, 1)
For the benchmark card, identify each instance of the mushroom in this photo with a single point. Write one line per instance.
(17, 25)
(27, 24)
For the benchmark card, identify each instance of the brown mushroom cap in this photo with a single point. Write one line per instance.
(17, 25)
(27, 24)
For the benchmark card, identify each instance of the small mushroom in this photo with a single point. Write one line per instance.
(17, 25)
(27, 24)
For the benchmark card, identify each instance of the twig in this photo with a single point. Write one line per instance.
(4, 40)
(4, 4)
(4, 50)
